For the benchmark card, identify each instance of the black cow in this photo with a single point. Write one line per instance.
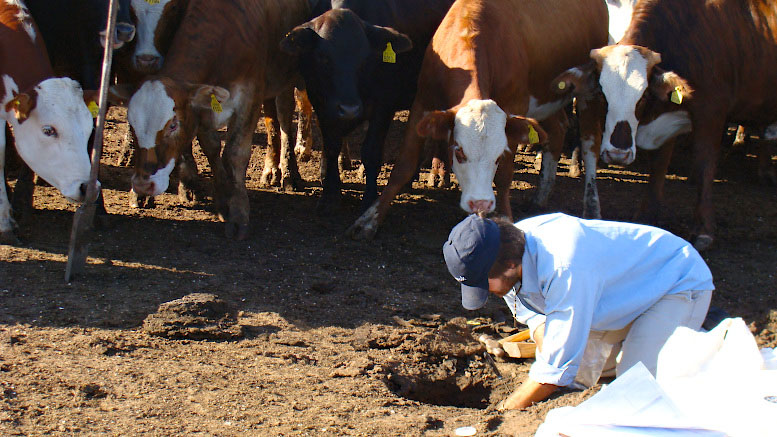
(351, 74)
(74, 34)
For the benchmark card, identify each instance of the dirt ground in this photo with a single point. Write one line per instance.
(341, 337)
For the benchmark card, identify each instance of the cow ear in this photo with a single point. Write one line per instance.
(300, 40)
(579, 81)
(436, 125)
(524, 130)
(22, 105)
(380, 36)
(202, 96)
(667, 85)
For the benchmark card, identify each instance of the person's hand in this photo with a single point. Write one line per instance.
(528, 393)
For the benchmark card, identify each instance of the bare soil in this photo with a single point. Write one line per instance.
(339, 337)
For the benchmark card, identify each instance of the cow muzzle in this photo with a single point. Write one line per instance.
(476, 206)
(143, 185)
(617, 156)
(349, 112)
(147, 63)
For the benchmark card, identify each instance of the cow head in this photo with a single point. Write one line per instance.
(51, 126)
(338, 52)
(125, 30)
(479, 135)
(163, 115)
(646, 105)
(156, 24)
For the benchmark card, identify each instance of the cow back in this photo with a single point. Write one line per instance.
(22, 58)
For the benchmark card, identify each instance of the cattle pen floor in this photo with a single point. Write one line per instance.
(342, 337)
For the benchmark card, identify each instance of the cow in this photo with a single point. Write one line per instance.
(485, 77)
(684, 67)
(350, 80)
(157, 24)
(223, 62)
(50, 121)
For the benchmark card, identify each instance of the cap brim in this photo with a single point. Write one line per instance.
(473, 298)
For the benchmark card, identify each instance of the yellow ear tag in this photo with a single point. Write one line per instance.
(214, 104)
(389, 56)
(677, 97)
(152, 2)
(93, 108)
(534, 137)
(562, 85)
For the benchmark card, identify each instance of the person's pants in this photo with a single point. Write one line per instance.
(644, 338)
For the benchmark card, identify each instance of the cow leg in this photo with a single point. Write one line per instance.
(187, 176)
(290, 177)
(503, 180)
(551, 153)
(304, 145)
(7, 223)
(706, 135)
(650, 210)
(237, 154)
(210, 142)
(372, 152)
(330, 172)
(366, 226)
(21, 199)
(271, 174)
(589, 120)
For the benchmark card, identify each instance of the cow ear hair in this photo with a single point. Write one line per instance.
(21, 105)
(379, 36)
(579, 81)
(436, 125)
(299, 40)
(200, 96)
(517, 131)
(664, 83)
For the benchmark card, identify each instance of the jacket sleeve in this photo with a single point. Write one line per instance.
(570, 300)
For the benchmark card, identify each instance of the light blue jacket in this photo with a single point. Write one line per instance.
(597, 275)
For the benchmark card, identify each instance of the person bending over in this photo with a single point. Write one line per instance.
(594, 293)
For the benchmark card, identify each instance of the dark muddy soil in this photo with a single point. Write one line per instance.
(335, 336)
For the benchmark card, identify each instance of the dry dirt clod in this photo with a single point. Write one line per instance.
(197, 316)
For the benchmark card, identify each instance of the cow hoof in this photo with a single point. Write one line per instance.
(186, 195)
(366, 226)
(702, 242)
(270, 178)
(303, 154)
(236, 231)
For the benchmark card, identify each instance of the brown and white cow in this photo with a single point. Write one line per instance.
(685, 67)
(50, 121)
(224, 62)
(489, 64)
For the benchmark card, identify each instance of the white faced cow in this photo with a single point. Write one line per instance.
(50, 121)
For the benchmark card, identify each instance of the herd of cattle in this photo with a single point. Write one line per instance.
(480, 78)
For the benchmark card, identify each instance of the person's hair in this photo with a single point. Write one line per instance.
(512, 242)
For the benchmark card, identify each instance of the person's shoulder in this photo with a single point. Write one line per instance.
(544, 219)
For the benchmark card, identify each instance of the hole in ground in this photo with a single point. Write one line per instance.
(454, 382)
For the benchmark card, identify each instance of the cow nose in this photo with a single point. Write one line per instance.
(480, 205)
(146, 61)
(621, 136)
(349, 112)
(125, 32)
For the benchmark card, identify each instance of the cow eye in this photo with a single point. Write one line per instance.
(173, 126)
(49, 131)
(460, 156)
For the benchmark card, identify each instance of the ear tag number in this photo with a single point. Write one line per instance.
(152, 2)
(215, 105)
(534, 137)
(93, 108)
(389, 56)
(677, 97)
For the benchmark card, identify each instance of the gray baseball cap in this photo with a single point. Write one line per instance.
(470, 252)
